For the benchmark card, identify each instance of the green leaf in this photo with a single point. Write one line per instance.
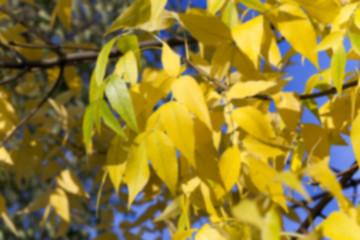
(102, 61)
(87, 127)
(338, 63)
(119, 98)
(109, 118)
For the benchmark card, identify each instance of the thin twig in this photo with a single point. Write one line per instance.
(35, 109)
(51, 47)
(13, 52)
(15, 77)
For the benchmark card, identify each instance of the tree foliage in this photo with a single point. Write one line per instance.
(175, 118)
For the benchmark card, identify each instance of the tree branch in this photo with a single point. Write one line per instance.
(35, 109)
(316, 211)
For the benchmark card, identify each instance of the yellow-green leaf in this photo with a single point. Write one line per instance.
(230, 15)
(127, 67)
(332, 40)
(109, 118)
(205, 27)
(130, 43)
(289, 107)
(215, 5)
(187, 90)
(338, 63)
(73, 80)
(355, 42)
(254, 4)
(138, 13)
(5, 157)
(170, 61)
(162, 154)
(156, 8)
(120, 100)
(229, 166)
(272, 225)
(355, 137)
(137, 171)
(254, 122)
(102, 60)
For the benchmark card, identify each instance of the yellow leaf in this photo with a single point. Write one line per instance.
(339, 226)
(342, 18)
(8, 117)
(208, 233)
(260, 174)
(249, 88)
(321, 173)
(316, 142)
(332, 40)
(338, 63)
(261, 149)
(289, 106)
(137, 171)
(60, 203)
(254, 122)
(5, 216)
(178, 124)
(357, 18)
(63, 11)
(116, 161)
(172, 210)
(127, 67)
(322, 10)
(248, 37)
(291, 180)
(70, 183)
(138, 13)
(170, 60)
(156, 8)
(205, 27)
(5, 157)
(221, 60)
(272, 226)
(162, 154)
(183, 235)
(229, 165)
(187, 90)
(295, 26)
(355, 138)
(248, 212)
(73, 80)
